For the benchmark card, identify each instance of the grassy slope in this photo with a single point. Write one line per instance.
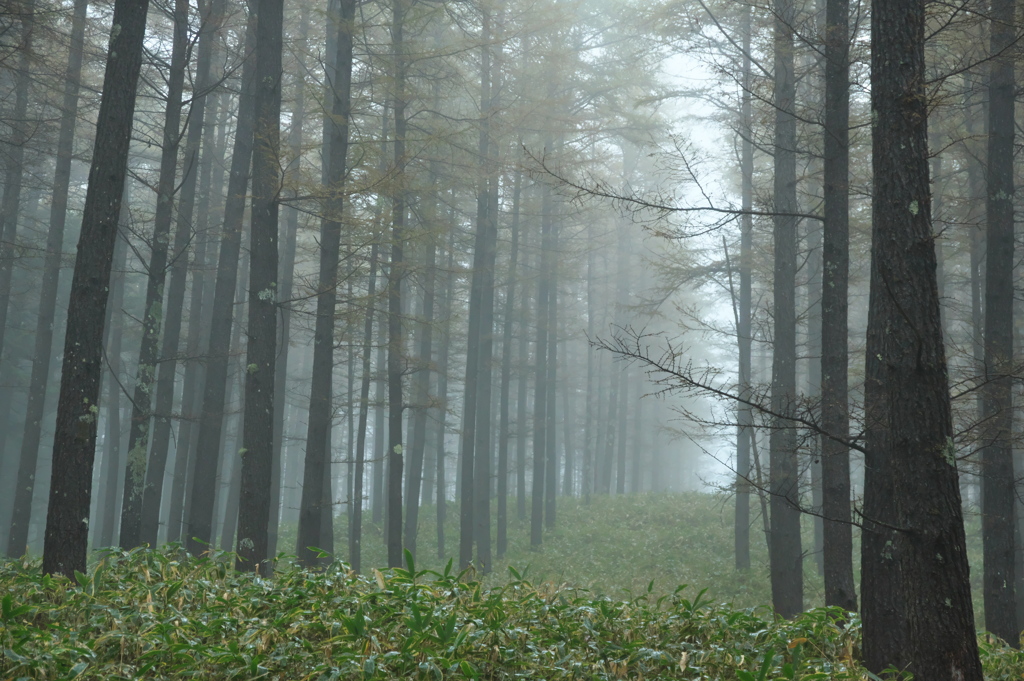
(614, 546)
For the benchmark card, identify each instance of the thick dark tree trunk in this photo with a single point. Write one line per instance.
(199, 529)
(261, 350)
(835, 418)
(67, 521)
(916, 589)
(320, 400)
(998, 495)
(43, 351)
(786, 554)
(153, 313)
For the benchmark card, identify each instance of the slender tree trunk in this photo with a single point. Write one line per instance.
(380, 425)
(135, 477)
(211, 183)
(421, 383)
(43, 351)
(506, 372)
(320, 410)
(355, 533)
(916, 592)
(551, 421)
(998, 494)
(786, 555)
(835, 418)
(522, 372)
(484, 258)
(442, 396)
(211, 416)
(540, 410)
(67, 522)
(167, 375)
(111, 472)
(286, 278)
(14, 171)
(744, 416)
(396, 274)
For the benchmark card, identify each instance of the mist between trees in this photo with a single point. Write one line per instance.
(341, 264)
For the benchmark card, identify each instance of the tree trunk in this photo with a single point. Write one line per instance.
(286, 278)
(135, 477)
(744, 415)
(211, 183)
(522, 373)
(395, 334)
(785, 554)
(167, 375)
(442, 396)
(355, 532)
(43, 351)
(67, 522)
(211, 417)
(321, 391)
(14, 171)
(506, 372)
(998, 494)
(916, 592)
(111, 471)
(835, 418)
(261, 350)
(540, 410)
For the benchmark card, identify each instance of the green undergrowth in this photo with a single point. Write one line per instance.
(159, 614)
(164, 615)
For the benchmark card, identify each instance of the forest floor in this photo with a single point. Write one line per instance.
(600, 601)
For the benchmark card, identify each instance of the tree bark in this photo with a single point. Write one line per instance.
(397, 266)
(14, 171)
(211, 417)
(67, 522)
(211, 182)
(320, 400)
(744, 415)
(785, 552)
(286, 280)
(540, 410)
(43, 350)
(211, 19)
(916, 593)
(261, 349)
(998, 494)
(506, 372)
(835, 418)
(355, 532)
(135, 476)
